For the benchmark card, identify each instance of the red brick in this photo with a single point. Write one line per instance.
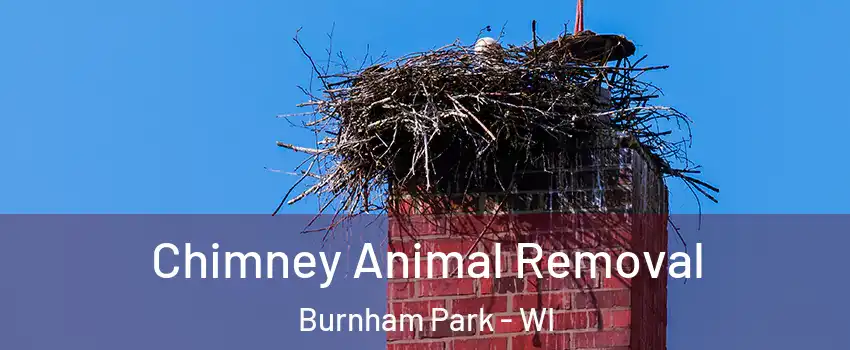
(527, 342)
(443, 329)
(616, 282)
(506, 285)
(532, 284)
(548, 341)
(401, 290)
(437, 266)
(405, 247)
(405, 334)
(416, 307)
(499, 327)
(507, 260)
(474, 305)
(474, 225)
(602, 299)
(485, 286)
(446, 287)
(417, 346)
(571, 320)
(555, 301)
(612, 318)
(500, 343)
(398, 269)
(446, 245)
(597, 339)
(549, 283)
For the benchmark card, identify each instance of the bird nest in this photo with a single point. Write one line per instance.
(458, 119)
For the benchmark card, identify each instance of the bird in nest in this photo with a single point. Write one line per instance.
(488, 51)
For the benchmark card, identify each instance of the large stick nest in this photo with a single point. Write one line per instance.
(451, 120)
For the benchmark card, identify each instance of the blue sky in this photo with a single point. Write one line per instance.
(169, 106)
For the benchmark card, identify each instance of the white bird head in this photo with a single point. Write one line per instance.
(486, 43)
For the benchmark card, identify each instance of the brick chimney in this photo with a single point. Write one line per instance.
(611, 200)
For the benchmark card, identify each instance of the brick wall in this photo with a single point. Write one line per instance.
(626, 213)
